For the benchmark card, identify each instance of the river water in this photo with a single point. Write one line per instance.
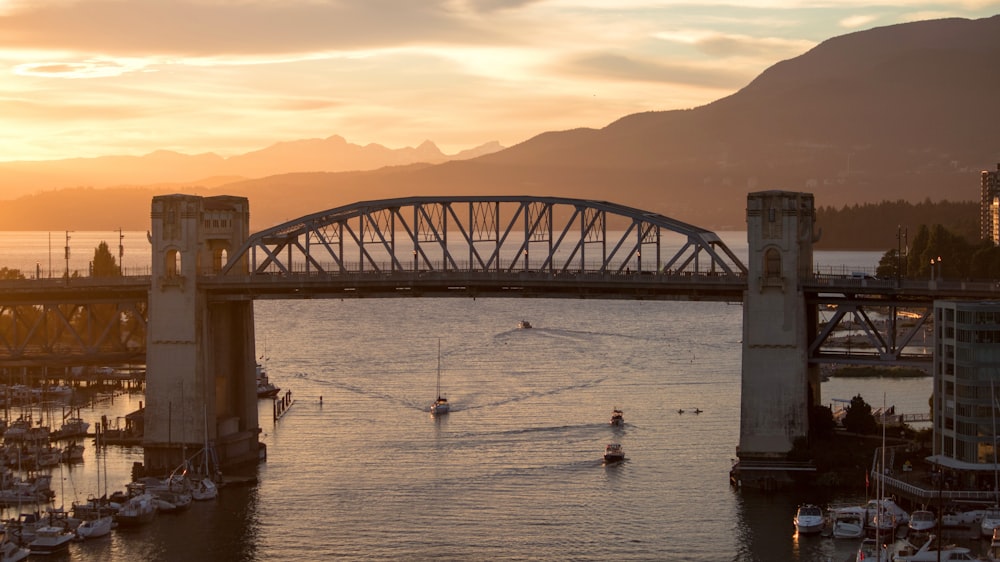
(358, 470)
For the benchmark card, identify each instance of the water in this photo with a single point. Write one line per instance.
(515, 471)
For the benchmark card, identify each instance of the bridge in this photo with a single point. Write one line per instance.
(191, 321)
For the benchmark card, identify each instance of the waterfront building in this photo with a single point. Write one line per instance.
(989, 206)
(966, 385)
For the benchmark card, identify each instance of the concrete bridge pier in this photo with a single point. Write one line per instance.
(200, 359)
(778, 386)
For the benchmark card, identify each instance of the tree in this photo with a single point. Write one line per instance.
(859, 418)
(7, 273)
(104, 263)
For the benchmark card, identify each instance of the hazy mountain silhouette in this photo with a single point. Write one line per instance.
(899, 112)
(333, 154)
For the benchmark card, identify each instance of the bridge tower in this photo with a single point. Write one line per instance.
(778, 384)
(200, 358)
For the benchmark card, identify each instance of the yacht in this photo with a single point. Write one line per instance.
(808, 519)
(931, 551)
(991, 521)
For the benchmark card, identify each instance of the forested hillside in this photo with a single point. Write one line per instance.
(875, 226)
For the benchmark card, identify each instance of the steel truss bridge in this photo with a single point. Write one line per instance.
(500, 246)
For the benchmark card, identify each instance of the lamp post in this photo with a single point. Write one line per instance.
(66, 251)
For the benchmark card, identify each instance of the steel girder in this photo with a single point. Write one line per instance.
(76, 334)
(484, 234)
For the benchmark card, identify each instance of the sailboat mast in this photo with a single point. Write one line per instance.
(439, 369)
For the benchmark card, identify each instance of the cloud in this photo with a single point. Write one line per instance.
(620, 67)
(95, 68)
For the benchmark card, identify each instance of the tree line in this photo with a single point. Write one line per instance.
(878, 226)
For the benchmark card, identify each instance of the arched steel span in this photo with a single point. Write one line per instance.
(483, 233)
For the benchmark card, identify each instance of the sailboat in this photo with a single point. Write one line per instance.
(101, 521)
(440, 406)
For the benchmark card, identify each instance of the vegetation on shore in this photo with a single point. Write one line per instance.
(878, 226)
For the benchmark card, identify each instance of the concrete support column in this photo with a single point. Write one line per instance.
(777, 385)
(200, 366)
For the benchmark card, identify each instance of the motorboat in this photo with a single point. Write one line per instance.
(990, 521)
(931, 551)
(808, 519)
(614, 452)
(441, 405)
(50, 540)
(265, 388)
(958, 516)
(523, 325)
(10, 551)
(617, 418)
(922, 521)
(848, 523)
(138, 509)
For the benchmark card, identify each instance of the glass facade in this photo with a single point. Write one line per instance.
(966, 380)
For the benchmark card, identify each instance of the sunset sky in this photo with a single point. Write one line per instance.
(83, 78)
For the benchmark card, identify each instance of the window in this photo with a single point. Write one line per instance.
(772, 263)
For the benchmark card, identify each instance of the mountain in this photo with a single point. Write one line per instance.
(332, 154)
(903, 112)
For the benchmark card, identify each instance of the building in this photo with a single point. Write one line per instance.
(989, 206)
(966, 386)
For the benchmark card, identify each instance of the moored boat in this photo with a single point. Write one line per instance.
(96, 527)
(808, 519)
(613, 452)
(922, 521)
(265, 388)
(848, 523)
(138, 509)
(50, 540)
(11, 551)
(931, 551)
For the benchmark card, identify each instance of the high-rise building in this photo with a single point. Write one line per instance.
(989, 206)
(966, 383)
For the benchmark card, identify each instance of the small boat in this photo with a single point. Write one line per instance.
(617, 418)
(614, 452)
(523, 325)
(990, 522)
(10, 551)
(204, 489)
(50, 540)
(440, 406)
(698, 410)
(931, 551)
(72, 427)
(922, 521)
(808, 519)
(265, 388)
(96, 527)
(871, 551)
(848, 523)
(140, 508)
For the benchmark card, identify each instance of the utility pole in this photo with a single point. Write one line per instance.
(121, 252)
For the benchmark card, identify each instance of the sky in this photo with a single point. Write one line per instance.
(86, 78)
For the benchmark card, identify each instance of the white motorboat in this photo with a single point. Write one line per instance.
(931, 552)
(887, 512)
(848, 523)
(441, 405)
(617, 418)
(613, 453)
(50, 540)
(808, 519)
(204, 489)
(990, 521)
(922, 521)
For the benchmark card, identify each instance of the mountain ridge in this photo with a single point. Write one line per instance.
(901, 112)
